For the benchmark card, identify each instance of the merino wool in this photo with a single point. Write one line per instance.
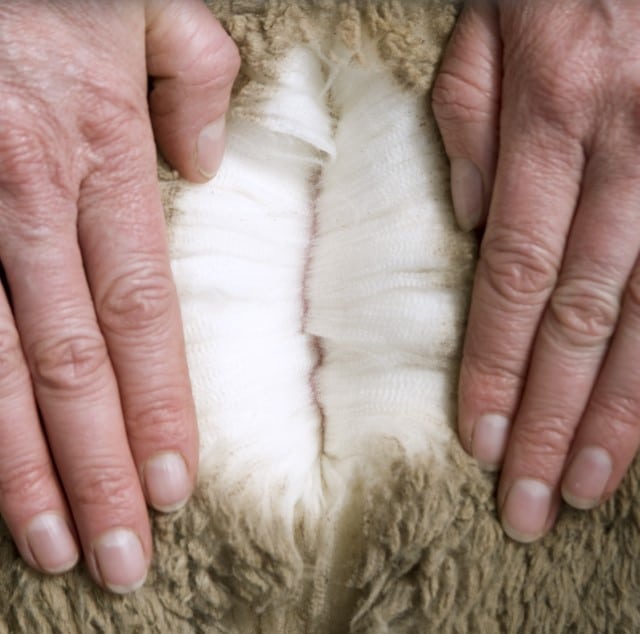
(324, 287)
(322, 308)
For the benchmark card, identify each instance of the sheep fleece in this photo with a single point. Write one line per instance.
(324, 288)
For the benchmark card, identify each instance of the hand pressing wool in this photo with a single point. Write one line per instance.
(323, 286)
(92, 338)
(537, 102)
(92, 341)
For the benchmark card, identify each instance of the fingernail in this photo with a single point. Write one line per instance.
(210, 148)
(467, 192)
(121, 561)
(490, 440)
(586, 478)
(51, 543)
(167, 482)
(526, 509)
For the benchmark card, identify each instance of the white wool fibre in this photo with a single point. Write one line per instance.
(319, 280)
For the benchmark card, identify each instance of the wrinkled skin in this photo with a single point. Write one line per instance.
(550, 382)
(92, 340)
(538, 103)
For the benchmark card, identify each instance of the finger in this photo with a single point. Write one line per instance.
(609, 434)
(465, 100)
(31, 500)
(193, 63)
(535, 194)
(571, 342)
(77, 393)
(121, 232)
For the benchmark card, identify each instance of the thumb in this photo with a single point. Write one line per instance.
(466, 103)
(192, 63)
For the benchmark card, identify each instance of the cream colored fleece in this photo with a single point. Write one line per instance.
(323, 287)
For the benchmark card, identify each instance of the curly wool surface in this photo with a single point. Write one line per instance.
(324, 287)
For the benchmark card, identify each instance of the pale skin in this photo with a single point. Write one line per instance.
(92, 338)
(538, 102)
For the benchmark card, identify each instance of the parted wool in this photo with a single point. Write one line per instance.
(322, 308)
(324, 287)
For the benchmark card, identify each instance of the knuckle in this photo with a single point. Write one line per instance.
(165, 420)
(214, 65)
(228, 60)
(104, 487)
(554, 95)
(217, 59)
(633, 290)
(67, 363)
(548, 439)
(12, 365)
(21, 152)
(138, 300)
(581, 315)
(27, 480)
(28, 154)
(504, 371)
(634, 100)
(547, 82)
(620, 411)
(517, 270)
(455, 99)
(112, 113)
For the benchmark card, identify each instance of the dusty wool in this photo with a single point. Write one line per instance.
(324, 287)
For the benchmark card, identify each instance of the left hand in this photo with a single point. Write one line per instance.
(96, 411)
(538, 103)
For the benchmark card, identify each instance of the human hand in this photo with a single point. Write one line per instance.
(93, 338)
(538, 105)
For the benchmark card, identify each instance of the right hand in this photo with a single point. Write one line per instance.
(537, 102)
